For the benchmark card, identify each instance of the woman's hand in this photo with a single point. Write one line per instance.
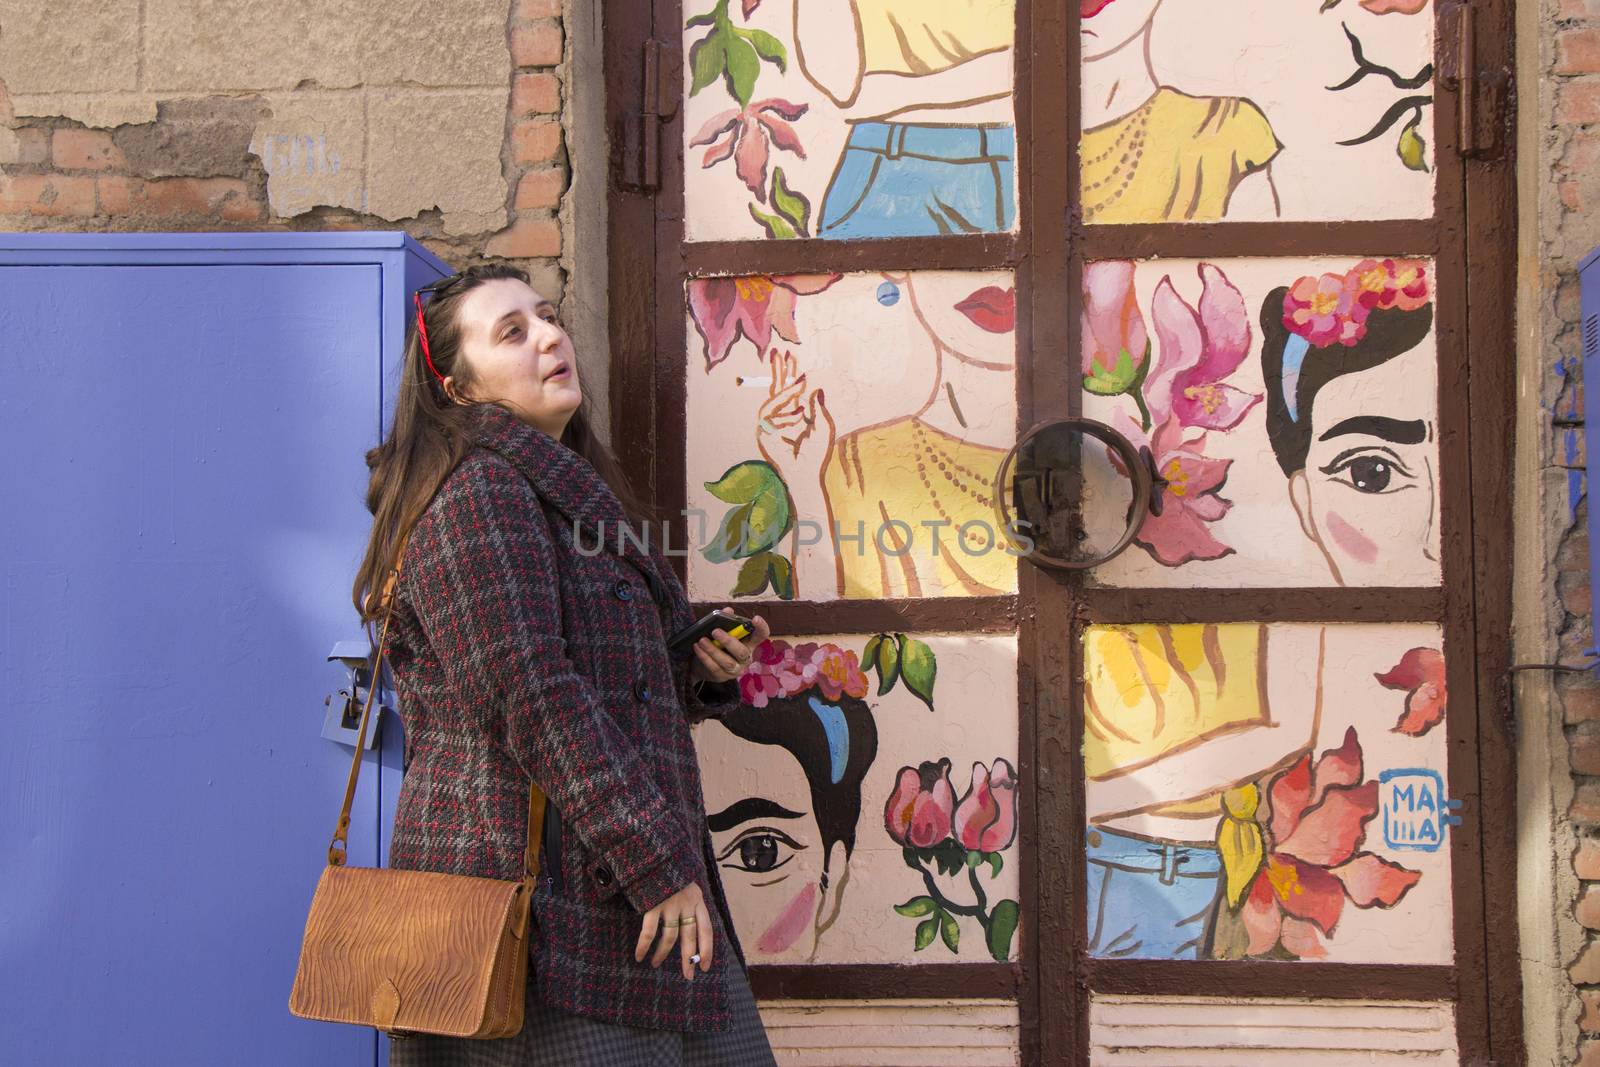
(681, 919)
(722, 658)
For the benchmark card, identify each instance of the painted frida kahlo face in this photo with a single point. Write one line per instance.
(1368, 495)
(767, 842)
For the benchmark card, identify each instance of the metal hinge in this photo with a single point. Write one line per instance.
(1481, 95)
(660, 80)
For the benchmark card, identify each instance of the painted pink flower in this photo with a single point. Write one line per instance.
(1198, 350)
(919, 811)
(1393, 283)
(839, 673)
(1394, 7)
(748, 134)
(1314, 861)
(1327, 309)
(1420, 673)
(1189, 502)
(986, 818)
(753, 306)
(1116, 346)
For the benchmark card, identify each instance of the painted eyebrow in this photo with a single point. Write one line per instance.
(1413, 432)
(749, 808)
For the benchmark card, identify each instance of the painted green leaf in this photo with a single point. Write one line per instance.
(915, 907)
(1002, 924)
(995, 863)
(871, 649)
(744, 65)
(918, 667)
(794, 208)
(753, 574)
(706, 60)
(951, 932)
(925, 931)
(1412, 149)
(973, 859)
(1328, 5)
(743, 482)
(732, 536)
(708, 19)
(911, 857)
(887, 663)
(950, 856)
(767, 47)
(781, 574)
(775, 225)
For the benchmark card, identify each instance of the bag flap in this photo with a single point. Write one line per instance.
(409, 950)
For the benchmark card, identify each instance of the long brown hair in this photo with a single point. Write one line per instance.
(431, 434)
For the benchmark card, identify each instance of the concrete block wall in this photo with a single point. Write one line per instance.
(445, 121)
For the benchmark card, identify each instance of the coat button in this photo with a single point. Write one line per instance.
(602, 875)
(641, 692)
(624, 589)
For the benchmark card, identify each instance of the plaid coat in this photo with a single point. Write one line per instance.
(521, 652)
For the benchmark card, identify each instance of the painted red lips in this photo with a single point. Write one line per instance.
(991, 308)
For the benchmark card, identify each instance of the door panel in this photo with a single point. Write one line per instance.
(183, 522)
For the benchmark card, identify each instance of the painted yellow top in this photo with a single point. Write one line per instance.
(1176, 158)
(924, 36)
(1155, 689)
(911, 472)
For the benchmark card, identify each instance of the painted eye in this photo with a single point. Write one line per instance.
(1370, 472)
(759, 850)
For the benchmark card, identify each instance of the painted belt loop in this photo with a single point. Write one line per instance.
(983, 142)
(1169, 864)
(896, 142)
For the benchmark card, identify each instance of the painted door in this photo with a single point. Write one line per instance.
(184, 514)
(1230, 796)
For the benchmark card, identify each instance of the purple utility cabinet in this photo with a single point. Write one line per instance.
(1589, 287)
(183, 425)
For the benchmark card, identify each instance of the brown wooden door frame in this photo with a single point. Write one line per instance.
(1475, 224)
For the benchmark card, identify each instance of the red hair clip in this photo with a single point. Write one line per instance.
(422, 336)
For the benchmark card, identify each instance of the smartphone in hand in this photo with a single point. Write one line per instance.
(737, 627)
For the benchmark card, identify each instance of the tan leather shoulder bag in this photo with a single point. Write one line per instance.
(415, 951)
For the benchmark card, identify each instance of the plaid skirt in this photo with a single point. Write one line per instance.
(551, 1038)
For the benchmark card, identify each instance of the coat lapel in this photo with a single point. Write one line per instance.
(571, 485)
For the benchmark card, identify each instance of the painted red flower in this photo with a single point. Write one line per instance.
(1420, 673)
(986, 818)
(1393, 283)
(1314, 862)
(839, 673)
(1116, 344)
(748, 134)
(1189, 502)
(1327, 309)
(919, 811)
(1198, 350)
(753, 306)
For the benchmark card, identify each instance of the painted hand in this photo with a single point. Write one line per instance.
(794, 430)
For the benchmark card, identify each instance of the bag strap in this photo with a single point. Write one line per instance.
(336, 849)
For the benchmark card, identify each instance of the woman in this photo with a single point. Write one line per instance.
(522, 650)
(911, 507)
(925, 87)
(1150, 153)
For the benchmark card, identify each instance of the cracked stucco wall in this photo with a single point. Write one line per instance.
(444, 121)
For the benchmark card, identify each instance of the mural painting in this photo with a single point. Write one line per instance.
(845, 432)
(1185, 122)
(863, 799)
(1290, 408)
(1267, 791)
(879, 118)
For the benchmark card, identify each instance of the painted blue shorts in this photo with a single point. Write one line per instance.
(1148, 900)
(895, 180)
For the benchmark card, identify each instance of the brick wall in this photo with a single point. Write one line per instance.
(1568, 113)
(306, 114)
